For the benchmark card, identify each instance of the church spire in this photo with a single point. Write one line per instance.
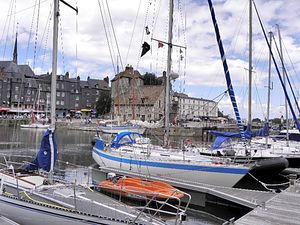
(15, 54)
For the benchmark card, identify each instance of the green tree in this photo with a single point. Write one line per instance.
(103, 104)
(151, 79)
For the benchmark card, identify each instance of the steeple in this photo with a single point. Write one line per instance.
(15, 54)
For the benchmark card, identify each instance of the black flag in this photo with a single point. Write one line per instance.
(145, 48)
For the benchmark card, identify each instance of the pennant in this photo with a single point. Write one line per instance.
(147, 30)
(181, 57)
(180, 51)
(160, 44)
(145, 48)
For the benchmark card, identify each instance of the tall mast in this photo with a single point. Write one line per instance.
(54, 63)
(269, 84)
(169, 63)
(250, 66)
(284, 82)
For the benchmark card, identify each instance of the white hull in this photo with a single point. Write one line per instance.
(35, 126)
(206, 173)
(33, 214)
(116, 130)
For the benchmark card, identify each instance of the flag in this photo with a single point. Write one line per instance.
(180, 51)
(145, 48)
(160, 44)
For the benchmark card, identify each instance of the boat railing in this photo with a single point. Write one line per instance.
(179, 211)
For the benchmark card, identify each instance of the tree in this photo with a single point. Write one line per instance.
(103, 104)
(151, 79)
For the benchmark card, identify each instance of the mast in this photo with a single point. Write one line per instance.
(269, 84)
(54, 63)
(250, 67)
(284, 82)
(169, 63)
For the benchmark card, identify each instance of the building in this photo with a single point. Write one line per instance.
(194, 108)
(21, 89)
(132, 100)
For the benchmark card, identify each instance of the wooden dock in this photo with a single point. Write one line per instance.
(284, 208)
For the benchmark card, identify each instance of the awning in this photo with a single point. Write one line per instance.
(2, 109)
(86, 110)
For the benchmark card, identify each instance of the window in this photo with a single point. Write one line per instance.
(76, 105)
(77, 98)
(16, 97)
(58, 94)
(8, 95)
(62, 102)
(63, 94)
(16, 88)
(57, 102)
(97, 92)
(76, 91)
(62, 86)
(28, 92)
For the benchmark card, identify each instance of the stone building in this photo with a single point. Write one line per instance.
(21, 89)
(190, 107)
(132, 100)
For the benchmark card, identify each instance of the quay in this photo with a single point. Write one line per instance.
(284, 208)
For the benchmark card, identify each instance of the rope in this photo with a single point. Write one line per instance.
(132, 33)
(36, 33)
(30, 33)
(47, 34)
(114, 34)
(76, 44)
(266, 185)
(44, 203)
(146, 17)
(62, 45)
(9, 21)
(106, 35)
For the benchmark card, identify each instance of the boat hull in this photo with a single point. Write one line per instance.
(218, 175)
(35, 126)
(116, 130)
(26, 213)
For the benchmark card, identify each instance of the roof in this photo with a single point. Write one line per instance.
(129, 73)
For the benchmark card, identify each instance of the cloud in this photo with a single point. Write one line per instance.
(192, 28)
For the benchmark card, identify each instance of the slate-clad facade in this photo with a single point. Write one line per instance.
(20, 88)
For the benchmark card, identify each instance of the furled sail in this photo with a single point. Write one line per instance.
(47, 155)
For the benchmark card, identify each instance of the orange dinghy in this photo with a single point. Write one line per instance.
(140, 189)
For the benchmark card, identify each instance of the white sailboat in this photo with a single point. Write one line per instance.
(33, 198)
(129, 152)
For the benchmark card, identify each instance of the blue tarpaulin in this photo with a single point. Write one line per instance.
(223, 137)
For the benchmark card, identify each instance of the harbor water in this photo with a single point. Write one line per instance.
(74, 147)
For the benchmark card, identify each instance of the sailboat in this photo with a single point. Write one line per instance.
(258, 148)
(34, 123)
(33, 198)
(130, 152)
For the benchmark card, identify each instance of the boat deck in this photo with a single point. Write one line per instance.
(248, 198)
(6, 221)
(87, 202)
(283, 208)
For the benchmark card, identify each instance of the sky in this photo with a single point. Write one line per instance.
(87, 44)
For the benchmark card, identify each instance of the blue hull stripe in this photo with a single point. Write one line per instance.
(172, 165)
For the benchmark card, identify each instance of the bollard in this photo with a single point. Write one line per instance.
(292, 179)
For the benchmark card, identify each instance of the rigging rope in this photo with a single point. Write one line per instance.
(47, 31)
(30, 33)
(114, 34)
(132, 33)
(9, 21)
(36, 33)
(62, 45)
(108, 43)
(76, 47)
